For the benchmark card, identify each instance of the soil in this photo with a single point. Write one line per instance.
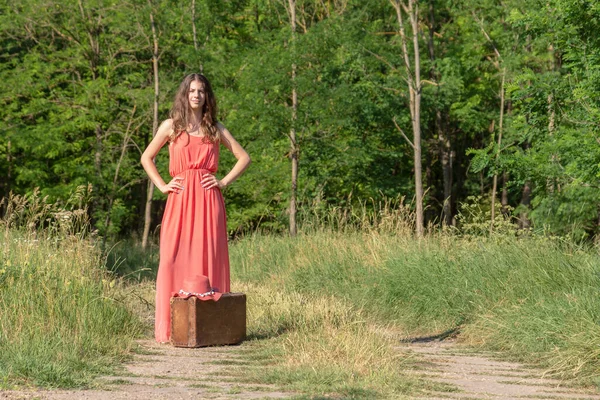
(163, 371)
(482, 376)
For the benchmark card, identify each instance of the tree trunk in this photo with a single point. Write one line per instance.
(293, 143)
(98, 153)
(413, 9)
(499, 143)
(481, 184)
(413, 77)
(98, 167)
(194, 24)
(524, 222)
(597, 235)
(504, 197)
(551, 181)
(429, 214)
(113, 191)
(10, 164)
(150, 185)
(194, 30)
(446, 161)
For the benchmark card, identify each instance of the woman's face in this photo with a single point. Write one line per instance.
(196, 95)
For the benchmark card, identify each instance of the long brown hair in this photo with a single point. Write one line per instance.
(180, 112)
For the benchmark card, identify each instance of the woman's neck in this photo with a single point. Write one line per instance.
(195, 118)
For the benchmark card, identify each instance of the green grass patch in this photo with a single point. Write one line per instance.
(62, 316)
(322, 345)
(62, 321)
(326, 309)
(532, 299)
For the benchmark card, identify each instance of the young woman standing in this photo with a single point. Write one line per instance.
(193, 234)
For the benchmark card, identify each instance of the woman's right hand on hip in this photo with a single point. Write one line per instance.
(174, 186)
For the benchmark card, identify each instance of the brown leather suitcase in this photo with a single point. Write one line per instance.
(197, 323)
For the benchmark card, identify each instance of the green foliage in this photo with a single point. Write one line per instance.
(474, 220)
(79, 90)
(556, 99)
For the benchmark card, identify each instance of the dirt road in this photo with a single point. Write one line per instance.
(163, 371)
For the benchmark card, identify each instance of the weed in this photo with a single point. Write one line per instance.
(62, 320)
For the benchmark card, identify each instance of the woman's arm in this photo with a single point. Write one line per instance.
(159, 140)
(243, 160)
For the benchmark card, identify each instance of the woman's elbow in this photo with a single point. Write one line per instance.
(145, 159)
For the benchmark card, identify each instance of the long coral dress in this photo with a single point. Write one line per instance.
(193, 234)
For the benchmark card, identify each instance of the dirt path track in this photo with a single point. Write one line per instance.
(165, 372)
(479, 377)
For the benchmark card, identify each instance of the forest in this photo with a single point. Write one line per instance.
(435, 104)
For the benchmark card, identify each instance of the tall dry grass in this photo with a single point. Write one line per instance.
(62, 318)
(321, 344)
(533, 298)
(327, 308)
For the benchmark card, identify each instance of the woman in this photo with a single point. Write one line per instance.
(193, 235)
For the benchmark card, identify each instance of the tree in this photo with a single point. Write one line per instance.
(413, 78)
(294, 150)
(498, 63)
(150, 186)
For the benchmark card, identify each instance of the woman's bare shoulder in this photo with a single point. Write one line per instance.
(165, 128)
(222, 129)
(168, 123)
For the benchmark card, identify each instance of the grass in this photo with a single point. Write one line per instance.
(62, 318)
(322, 345)
(317, 345)
(326, 310)
(533, 299)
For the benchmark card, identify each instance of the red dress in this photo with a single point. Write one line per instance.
(193, 233)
